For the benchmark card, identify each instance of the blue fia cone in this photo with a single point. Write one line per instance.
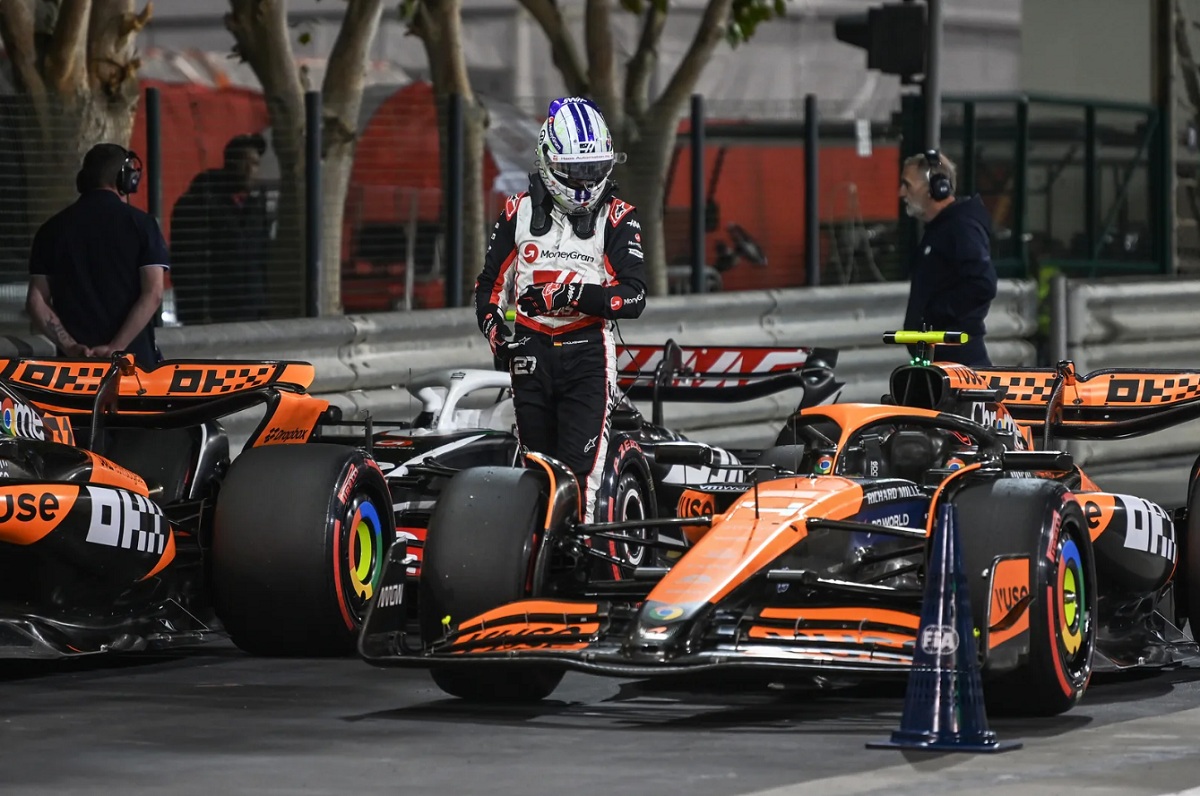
(943, 705)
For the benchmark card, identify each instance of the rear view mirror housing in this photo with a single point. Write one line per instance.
(1057, 461)
(689, 454)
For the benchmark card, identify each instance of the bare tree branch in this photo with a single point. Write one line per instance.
(262, 38)
(645, 57)
(65, 68)
(562, 44)
(112, 63)
(712, 28)
(16, 31)
(260, 31)
(602, 73)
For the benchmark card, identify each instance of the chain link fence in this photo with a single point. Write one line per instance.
(227, 229)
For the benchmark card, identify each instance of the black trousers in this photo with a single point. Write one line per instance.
(563, 387)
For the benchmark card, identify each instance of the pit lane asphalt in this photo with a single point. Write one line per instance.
(215, 721)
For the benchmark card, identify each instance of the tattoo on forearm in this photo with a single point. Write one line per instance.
(58, 333)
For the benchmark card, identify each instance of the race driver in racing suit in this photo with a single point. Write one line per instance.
(571, 253)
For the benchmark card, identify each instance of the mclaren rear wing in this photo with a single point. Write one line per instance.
(70, 386)
(1109, 403)
(718, 374)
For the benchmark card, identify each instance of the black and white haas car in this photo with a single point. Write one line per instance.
(466, 419)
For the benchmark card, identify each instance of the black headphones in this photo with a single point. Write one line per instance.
(130, 175)
(940, 187)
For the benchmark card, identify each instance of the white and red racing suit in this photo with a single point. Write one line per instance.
(563, 364)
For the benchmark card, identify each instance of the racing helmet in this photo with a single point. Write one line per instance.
(575, 154)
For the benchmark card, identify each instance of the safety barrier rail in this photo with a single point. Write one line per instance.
(1129, 323)
(364, 361)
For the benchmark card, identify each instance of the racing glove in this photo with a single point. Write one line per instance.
(546, 297)
(500, 338)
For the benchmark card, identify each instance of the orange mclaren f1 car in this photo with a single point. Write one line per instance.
(817, 567)
(124, 525)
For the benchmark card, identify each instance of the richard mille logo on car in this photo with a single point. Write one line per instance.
(891, 493)
(391, 596)
(939, 640)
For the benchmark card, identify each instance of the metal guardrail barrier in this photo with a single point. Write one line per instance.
(364, 361)
(1132, 324)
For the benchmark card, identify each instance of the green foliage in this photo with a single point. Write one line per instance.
(745, 18)
(747, 15)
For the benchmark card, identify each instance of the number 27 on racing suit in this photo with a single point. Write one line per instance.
(572, 282)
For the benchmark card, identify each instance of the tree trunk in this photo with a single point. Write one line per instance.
(642, 181)
(475, 193)
(75, 65)
(287, 276)
(342, 97)
(439, 26)
(260, 30)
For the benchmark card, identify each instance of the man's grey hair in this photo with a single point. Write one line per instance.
(945, 165)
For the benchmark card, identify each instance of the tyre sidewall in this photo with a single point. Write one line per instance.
(282, 547)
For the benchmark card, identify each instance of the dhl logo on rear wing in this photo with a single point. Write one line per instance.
(673, 372)
(1104, 404)
(72, 385)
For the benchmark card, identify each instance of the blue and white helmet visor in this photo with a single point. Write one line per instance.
(579, 172)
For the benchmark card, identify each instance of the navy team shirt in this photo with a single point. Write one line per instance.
(92, 253)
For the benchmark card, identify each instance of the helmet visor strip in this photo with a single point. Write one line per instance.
(579, 174)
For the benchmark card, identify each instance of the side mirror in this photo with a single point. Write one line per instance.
(1057, 461)
(694, 454)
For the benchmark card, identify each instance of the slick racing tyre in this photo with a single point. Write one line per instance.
(631, 503)
(479, 555)
(1187, 576)
(1045, 670)
(626, 494)
(299, 543)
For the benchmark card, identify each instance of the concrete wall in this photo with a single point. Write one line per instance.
(1092, 48)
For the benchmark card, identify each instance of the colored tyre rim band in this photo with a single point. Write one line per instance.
(363, 549)
(1072, 607)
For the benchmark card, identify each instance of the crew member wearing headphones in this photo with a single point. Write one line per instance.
(953, 279)
(96, 269)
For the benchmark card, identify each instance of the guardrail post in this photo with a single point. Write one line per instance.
(1020, 185)
(154, 153)
(967, 172)
(312, 203)
(1059, 322)
(812, 215)
(454, 202)
(1090, 214)
(698, 201)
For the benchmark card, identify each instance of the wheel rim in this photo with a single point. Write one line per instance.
(632, 507)
(362, 560)
(1073, 615)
